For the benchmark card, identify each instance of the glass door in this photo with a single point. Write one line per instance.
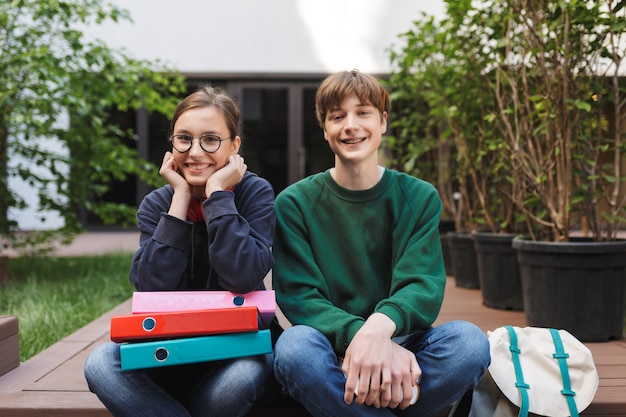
(265, 133)
(281, 139)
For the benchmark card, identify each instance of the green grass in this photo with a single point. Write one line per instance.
(55, 296)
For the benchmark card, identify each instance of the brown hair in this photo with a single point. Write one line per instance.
(207, 96)
(336, 87)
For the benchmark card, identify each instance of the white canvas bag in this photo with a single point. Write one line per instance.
(535, 371)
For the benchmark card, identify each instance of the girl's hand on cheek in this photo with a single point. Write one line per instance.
(227, 176)
(169, 172)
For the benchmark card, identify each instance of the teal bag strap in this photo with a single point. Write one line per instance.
(519, 376)
(561, 356)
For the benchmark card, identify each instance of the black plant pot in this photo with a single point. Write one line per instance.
(463, 256)
(445, 226)
(498, 271)
(577, 286)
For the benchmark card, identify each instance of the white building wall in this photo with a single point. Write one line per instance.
(266, 36)
(31, 217)
(285, 37)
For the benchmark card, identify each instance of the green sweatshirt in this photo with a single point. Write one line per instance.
(342, 255)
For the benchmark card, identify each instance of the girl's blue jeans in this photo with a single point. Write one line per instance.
(452, 356)
(220, 388)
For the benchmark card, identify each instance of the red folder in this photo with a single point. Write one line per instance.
(183, 323)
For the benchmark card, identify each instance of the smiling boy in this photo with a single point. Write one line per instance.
(359, 273)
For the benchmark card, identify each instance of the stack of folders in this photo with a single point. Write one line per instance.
(180, 327)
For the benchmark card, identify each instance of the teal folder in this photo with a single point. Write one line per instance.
(194, 349)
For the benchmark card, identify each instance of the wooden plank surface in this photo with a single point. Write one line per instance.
(51, 404)
(52, 383)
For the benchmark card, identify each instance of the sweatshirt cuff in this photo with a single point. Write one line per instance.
(172, 231)
(219, 203)
(395, 316)
(351, 330)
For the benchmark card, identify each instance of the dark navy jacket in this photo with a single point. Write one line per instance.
(232, 251)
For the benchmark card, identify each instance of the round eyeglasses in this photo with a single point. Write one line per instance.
(208, 143)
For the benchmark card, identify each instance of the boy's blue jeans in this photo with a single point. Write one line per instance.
(220, 388)
(452, 356)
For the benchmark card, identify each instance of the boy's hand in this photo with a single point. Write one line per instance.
(385, 371)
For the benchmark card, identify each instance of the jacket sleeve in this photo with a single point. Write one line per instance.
(240, 227)
(160, 263)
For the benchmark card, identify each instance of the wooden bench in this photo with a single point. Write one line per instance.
(52, 384)
(9, 344)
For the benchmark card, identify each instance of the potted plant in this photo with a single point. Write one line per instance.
(552, 93)
(484, 170)
(442, 98)
(556, 79)
(422, 141)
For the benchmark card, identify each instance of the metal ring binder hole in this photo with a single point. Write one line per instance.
(161, 354)
(238, 300)
(148, 324)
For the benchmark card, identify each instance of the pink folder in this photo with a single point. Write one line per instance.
(166, 301)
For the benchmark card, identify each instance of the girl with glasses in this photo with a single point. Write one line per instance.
(209, 228)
